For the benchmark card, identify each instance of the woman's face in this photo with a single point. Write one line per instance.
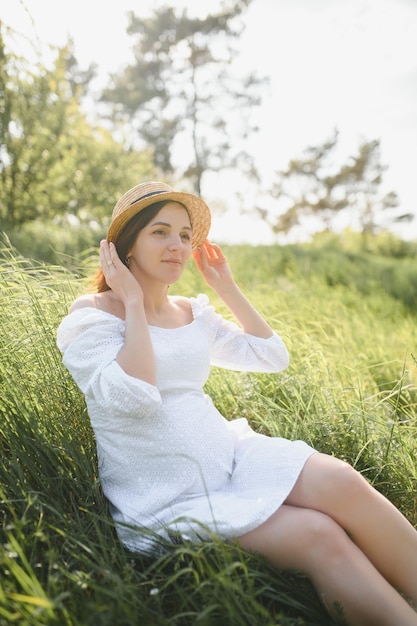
(163, 247)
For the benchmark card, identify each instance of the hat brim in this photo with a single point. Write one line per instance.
(198, 210)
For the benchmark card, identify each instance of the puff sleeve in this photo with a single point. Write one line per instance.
(232, 348)
(90, 341)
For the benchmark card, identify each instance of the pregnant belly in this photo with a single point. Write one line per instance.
(199, 438)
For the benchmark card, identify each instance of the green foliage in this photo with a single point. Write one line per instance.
(336, 262)
(384, 243)
(207, 108)
(64, 243)
(54, 160)
(351, 390)
(313, 186)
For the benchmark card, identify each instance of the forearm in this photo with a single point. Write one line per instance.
(248, 317)
(213, 265)
(136, 357)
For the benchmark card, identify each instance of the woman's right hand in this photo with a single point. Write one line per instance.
(118, 277)
(137, 338)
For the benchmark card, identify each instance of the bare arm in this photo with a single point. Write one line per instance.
(215, 269)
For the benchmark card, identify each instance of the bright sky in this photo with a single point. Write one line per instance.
(350, 64)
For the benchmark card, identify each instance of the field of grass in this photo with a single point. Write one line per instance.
(351, 390)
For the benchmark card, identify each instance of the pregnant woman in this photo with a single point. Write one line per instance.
(172, 466)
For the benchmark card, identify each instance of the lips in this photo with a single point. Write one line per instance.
(176, 262)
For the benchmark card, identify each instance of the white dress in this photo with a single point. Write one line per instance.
(169, 462)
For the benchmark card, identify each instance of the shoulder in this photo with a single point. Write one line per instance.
(181, 302)
(180, 310)
(86, 300)
(88, 321)
(195, 304)
(105, 301)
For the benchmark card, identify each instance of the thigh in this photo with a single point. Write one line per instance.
(329, 485)
(294, 537)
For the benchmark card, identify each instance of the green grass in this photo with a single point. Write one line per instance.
(351, 390)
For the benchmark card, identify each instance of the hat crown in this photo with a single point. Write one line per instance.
(149, 192)
(138, 193)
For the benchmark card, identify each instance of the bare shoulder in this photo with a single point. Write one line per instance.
(105, 301)
(86, 300)
(181, 302)
(182, 306)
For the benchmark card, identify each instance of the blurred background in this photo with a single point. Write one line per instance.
(289, 118)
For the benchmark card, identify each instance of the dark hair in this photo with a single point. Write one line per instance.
(127, 238)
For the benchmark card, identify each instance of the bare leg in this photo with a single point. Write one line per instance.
(310, 541)
(382, 533)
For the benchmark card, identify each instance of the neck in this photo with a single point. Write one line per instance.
(155, 299)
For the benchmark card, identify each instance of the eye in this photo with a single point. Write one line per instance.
(160, 232)
(186, 236)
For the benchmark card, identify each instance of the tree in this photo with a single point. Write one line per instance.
(183, 95)
(312, 186)
(52, 160)
(5, 104)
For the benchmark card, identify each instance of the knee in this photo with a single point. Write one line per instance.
(320, 530)
(342, 481)
(326, 481)
(324, 540)
(316, 542)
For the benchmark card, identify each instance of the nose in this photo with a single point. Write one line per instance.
(175, 242)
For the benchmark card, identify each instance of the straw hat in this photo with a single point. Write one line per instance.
(145, 194)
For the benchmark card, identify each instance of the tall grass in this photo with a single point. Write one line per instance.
(350, 391)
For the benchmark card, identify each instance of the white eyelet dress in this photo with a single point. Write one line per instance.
(169, 463)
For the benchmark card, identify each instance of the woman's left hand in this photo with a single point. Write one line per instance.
(213, 265)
